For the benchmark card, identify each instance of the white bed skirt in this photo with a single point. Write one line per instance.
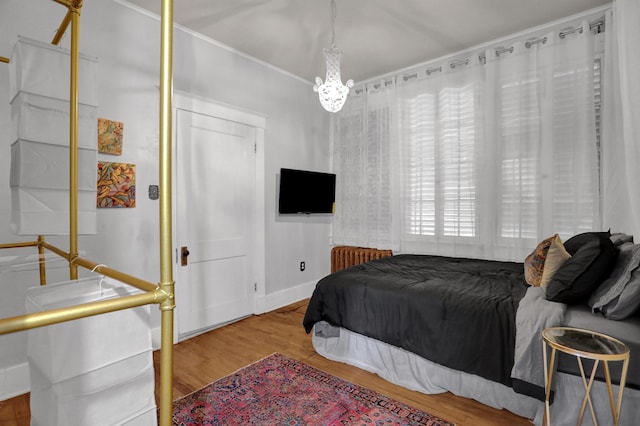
(416, 373)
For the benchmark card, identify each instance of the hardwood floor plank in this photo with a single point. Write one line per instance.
(15, 411)
(217, 353)
(237, 345)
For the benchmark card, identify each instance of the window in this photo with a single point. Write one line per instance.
(480, 160)
(550, 155)
(441, 179)
(519, 135)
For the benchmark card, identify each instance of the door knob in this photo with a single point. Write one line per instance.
(184, 253)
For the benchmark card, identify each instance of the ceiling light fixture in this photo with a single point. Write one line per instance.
(332, 92)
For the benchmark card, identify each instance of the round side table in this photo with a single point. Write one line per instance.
(585, 344)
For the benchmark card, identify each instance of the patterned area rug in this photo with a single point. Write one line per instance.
(282, 391)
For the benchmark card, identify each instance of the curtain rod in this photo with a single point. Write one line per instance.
(530, 43)
(597, 26)
(3, 59)
(596, 14)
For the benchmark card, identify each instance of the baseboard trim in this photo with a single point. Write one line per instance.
(270, 302)
(14, 381)
(264, 304)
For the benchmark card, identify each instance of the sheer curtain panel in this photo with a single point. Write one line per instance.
(443, 158)
(480, 156)
(621, 122)
(545, 140)
(365, 153)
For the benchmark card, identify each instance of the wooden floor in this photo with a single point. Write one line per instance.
(205, 358)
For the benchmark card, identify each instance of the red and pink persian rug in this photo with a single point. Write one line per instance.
(282, 391)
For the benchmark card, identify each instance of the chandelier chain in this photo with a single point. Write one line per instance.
(333, 21)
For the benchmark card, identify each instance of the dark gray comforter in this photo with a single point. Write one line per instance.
(459, 313)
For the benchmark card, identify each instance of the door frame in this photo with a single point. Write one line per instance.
(196, 104)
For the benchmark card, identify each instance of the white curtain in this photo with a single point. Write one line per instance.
(544, 139)
(367, 169)
(481, 157)
(621, 119)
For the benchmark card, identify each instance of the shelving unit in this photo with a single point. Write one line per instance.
(149, 293)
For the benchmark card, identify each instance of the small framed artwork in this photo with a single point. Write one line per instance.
(116, 185)
(110, 136)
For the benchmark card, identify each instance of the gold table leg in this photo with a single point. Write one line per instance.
(615, 408)
(548, 376)
(587, 391)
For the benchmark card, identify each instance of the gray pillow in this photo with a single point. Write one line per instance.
(620, 238)
(618, 296)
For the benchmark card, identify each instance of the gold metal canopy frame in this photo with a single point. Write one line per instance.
(162, 293)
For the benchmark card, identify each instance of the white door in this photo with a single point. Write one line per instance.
(215, 209)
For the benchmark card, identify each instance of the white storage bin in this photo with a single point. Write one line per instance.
(39, 181)
(66, 350)
(43, 119)
(41, 68)
(148, 417)
(18, 272)
(46, 166)
(37, 211)
(117, 394)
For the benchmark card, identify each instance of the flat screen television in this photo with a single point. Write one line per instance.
(306, 192)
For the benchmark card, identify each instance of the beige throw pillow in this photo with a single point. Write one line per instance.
(556, 257)
(549, 252)
(534, 263)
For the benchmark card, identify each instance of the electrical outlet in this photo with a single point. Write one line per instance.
(302, 266)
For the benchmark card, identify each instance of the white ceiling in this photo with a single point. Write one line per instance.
(377, 37)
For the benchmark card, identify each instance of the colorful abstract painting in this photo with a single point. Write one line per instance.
(116, 185)
(110, 136)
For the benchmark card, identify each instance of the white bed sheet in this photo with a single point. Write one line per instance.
(416, 373)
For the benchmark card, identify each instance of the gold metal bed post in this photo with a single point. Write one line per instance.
(167, 307)
(41, 260)
(73, 16)
(167, 285)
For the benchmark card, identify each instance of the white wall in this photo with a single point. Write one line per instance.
(126, 43)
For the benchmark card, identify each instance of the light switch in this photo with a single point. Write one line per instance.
(153, 192)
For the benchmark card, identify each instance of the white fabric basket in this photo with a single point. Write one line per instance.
(39, 181)
(39, 93)
(91, 371)
(36, 211)
(117, 394)
(69, 349)
(42, 119)
(46, 166)
(18, 272)
(38, 67)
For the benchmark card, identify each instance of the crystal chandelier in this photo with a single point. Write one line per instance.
(332, 92)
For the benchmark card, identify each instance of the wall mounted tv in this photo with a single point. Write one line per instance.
(306, 192)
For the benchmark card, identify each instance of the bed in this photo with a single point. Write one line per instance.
(472, 327)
